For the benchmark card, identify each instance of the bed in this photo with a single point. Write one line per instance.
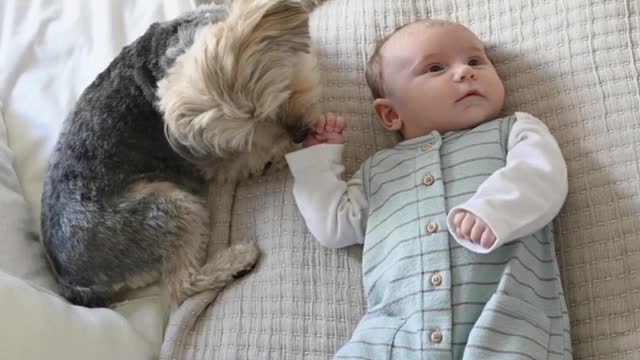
(573, 63)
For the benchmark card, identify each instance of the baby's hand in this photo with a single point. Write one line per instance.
(327, 129)
(472, 228)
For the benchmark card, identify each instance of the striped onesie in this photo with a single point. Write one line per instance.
(429, 294)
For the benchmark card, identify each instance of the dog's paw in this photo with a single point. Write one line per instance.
(234, 261)
(242, 272)
(228, 265)
(246, 256)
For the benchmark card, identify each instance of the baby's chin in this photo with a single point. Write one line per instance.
(472, 118)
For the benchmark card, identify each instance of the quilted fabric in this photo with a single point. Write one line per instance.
(572, 63)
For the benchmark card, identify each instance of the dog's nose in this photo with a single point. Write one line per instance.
(298, 134)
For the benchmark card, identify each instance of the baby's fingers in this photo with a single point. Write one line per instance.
(319, 124)
(340, 124)
(333, 123)
(467, 225)
(457, 219)
(488, 238)
(476, 231)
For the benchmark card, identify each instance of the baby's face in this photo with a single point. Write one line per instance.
(438, 77)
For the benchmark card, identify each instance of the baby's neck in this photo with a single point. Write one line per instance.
(402, 134)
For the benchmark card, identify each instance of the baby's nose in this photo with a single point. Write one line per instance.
(465, 72)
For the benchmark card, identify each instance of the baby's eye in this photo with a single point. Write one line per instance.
(474, 62)
(435, 68)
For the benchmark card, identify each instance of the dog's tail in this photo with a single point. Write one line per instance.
(89, 296)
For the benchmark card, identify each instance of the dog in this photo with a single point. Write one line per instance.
(209, 97)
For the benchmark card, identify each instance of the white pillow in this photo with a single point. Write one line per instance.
(20, 251)
(37, 324)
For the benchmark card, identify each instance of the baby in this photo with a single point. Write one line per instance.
(458, 259)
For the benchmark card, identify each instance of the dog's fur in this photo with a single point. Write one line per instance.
(204, 98)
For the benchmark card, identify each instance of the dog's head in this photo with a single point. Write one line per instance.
(245, 91)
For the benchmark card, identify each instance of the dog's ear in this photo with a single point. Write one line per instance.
(237, 73)
(264, 41)
(282, 24)
(210, 134)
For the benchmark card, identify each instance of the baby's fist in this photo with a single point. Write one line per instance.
(470, 227)
(327, 129)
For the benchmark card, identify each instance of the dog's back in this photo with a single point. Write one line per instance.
(112, 142)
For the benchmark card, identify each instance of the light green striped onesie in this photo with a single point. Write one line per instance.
(429, 295)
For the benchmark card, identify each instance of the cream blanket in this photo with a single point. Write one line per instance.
(572, 63)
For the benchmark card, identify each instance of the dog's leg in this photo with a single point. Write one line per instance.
(226, 262)
(124, 242)
(226, 266)
(173, 227)
(183, 269)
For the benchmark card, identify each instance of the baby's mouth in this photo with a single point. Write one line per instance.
(468, 94)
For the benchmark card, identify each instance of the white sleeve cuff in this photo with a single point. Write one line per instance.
(315, 159)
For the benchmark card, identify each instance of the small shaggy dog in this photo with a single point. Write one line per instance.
(207, 97)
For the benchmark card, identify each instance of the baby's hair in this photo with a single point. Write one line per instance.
(373, 72)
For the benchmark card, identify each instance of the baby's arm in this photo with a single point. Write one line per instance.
(335, 211)
(520, 198)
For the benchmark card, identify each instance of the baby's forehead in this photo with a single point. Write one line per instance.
(416, 32)
(400, 46)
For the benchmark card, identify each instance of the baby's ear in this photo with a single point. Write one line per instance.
(387, 114)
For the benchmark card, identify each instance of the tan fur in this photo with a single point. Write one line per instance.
(143, 188)
(308, 4)
(229, 98)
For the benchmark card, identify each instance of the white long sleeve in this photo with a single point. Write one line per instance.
(334, 210)
(527, 193)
